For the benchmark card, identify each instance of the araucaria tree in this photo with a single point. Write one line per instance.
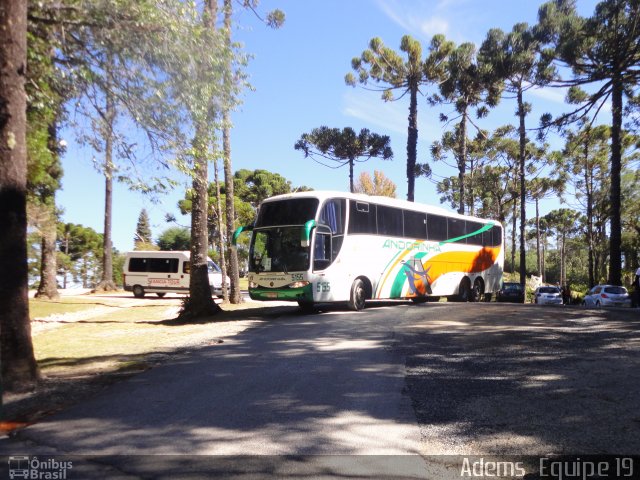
(18, 365)
(143, 237)
(466, 87)
(383, 66)
(517, 58)
(603, 50)
(344, 147)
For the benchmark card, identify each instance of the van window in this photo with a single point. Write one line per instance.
(186, 267)
(163, 265)
(138, 265)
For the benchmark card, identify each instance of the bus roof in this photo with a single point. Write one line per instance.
(392, 202)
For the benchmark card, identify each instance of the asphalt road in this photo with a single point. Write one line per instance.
(366, 395)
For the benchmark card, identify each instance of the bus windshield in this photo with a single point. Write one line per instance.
(287, 212)
(278, 249)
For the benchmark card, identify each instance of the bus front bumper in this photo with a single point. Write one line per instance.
(302, 294)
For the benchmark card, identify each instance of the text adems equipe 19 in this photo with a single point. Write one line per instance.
(575, 468)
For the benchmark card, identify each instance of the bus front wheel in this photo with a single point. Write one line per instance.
(306, 307)
(358, 295)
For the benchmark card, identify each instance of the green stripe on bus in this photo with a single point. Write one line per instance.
(486, 227)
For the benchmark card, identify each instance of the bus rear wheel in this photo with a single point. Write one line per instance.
(478, 291)
(358, 295)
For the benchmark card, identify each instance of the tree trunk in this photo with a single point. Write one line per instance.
(48, 287)
(462, 160)
(223, 260)
(539, 258)
(523, 192)
(615, 257)
(543, 276)
(514, 218)
(412, 142)
(232, 254)
(17, 364)
(351, 187)
(200, 302)
(588, 182)
(107, 283)
(563, 261)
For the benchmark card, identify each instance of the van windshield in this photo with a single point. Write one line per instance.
(213, 267)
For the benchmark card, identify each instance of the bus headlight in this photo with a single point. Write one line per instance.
(298, 284)
(253, 285)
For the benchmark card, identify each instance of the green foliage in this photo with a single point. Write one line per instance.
(253, 186)
(143, 229)
(344, 147)
(175, 238)
(82, 253)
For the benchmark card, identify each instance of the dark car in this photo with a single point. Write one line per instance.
(511, 292)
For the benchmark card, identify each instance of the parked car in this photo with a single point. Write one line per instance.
(547, 295)
(510, 292)
(607, 296)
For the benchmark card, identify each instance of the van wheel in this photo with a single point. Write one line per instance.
(161, 294)
(358, 295)
(419, 299)
(138, 291)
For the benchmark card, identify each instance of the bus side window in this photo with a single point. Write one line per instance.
(436, 227)
(456, 229)
(474, 227)
(333, 213)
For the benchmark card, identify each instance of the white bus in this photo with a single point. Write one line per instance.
(316, 247)
(161, 272)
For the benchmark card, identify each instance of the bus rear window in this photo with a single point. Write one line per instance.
(287, 212)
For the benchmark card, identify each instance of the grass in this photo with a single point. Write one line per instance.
(39, 308)
(118, 338)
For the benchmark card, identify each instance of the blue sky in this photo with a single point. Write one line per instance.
(298, 76)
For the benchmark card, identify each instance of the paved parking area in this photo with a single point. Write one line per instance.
(524, 379)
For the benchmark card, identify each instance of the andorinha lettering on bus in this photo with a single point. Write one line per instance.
(412, 245)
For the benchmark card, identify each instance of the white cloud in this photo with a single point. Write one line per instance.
(434, 26)
(551, 94)
(370, 108)
(390, 118)
(417, 18)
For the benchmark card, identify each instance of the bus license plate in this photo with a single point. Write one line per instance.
(271, 294)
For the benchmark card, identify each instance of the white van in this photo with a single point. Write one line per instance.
(160, 272)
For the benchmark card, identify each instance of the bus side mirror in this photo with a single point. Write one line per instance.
(305, 235)
(239, 230)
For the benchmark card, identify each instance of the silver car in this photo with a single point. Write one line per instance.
(607, 296)
(547, 295)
